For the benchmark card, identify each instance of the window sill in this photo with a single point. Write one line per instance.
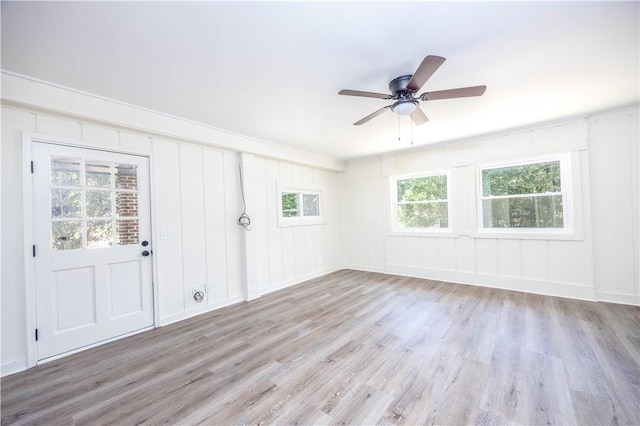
(513, 234)
(300, 221)
(423, 232)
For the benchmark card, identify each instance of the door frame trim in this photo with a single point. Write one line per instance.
(28, 138)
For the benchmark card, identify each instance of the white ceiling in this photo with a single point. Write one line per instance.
(272, 70)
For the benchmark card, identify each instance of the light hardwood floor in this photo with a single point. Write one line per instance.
(355, 348)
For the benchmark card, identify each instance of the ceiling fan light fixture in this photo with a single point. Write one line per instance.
(404, 106)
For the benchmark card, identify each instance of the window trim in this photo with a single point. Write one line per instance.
(567, 188)
(299, 220)
(392, 198)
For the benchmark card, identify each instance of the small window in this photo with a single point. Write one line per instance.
(299, 206)
(524, 195)
(420, 202)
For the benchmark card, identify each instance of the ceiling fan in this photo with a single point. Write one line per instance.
(404, 88)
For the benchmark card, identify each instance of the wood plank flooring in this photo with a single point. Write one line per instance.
(355, 348)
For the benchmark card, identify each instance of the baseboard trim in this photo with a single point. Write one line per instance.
(300, 280)
(620, 298)
(194, 313)
(12, 367)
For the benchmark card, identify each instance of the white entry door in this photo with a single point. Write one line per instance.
(92, 246)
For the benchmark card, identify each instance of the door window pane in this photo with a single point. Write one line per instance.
(99, 233)
(126, 176)
(126, 204)
(98, 203)
(127, 232)
(98, 175)
(66, 203)
(91, 195)
(65, 171)
(66, 235)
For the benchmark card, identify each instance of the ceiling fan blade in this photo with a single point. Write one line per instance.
(418, 116)
(429, 65)
(372, 115)
(364, 94)
(462, 92)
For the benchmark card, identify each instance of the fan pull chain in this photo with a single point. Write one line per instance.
(398, 127)
(411, 132)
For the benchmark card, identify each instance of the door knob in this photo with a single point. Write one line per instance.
(146, 253)
(145, 243)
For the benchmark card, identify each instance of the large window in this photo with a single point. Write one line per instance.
(524, 195)
(299, 206)
(420, 202)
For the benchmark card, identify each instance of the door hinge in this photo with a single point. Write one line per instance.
(36, 334)
(34, 250)
(32, 167)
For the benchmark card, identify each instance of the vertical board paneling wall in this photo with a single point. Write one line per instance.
(198, 243)
(291, 254)
(196, 200)
(614, 148)
(599, 262)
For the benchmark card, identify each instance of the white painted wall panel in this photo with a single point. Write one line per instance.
(194, 249)
(48, 125)
(300, 252)
(447, 257)
(534, 260)
(288, 254)
(215, 224)
(14, 346)
(429, 253)
(101, 135)
(363, 210)
(395, 251)
(412, 252)
(235, 244)
(291, 254)
(570, 262)
(134, 142)
(260, 223)
(486, 256)
(274, 233)
(311, 248)
(613, 149)
(167, 221)
(509, 262)
(466, 255)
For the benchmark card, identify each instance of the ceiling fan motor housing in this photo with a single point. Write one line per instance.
(405, 104)
(399, 84)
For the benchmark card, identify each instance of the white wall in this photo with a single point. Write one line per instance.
(613, 149)
(599, 262)
(290, 254)
(195, 204)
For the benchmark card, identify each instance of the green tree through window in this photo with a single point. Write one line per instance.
(422, 202)
(523, 196)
